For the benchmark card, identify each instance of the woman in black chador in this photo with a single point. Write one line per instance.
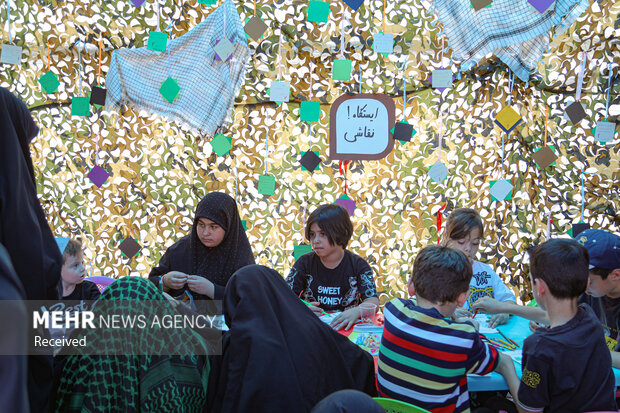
(200, 264)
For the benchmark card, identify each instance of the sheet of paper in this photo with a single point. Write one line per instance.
(483, 320)
(516, 355)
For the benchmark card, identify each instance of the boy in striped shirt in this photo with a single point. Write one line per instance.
(425, 357)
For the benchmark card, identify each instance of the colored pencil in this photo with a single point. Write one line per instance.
(507, 344)
(475, 312)
(310, 305)
(502, 344)
(507, 338)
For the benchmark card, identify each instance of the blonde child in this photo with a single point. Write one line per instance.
(464, 230)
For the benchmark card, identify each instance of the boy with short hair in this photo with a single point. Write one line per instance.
(566, 367)
(603, 293)
(424, 356)
(74, 287)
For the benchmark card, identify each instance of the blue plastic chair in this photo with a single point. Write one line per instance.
(396, 406)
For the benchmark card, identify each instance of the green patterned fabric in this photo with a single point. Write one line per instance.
(134, 383)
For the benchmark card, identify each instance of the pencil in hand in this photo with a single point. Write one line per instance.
(310, 305)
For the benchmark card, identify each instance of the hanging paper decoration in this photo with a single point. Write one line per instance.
(310, 161)
(255, 27)
(359, 127)
(519, 43)
(318, 11)
(98, 175)
(205, 108)
(267, 183)
(11, 54)
(221, 144)
(439, 220)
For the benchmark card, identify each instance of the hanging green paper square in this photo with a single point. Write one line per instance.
(266, 185)
(310, 110)
(157, 41)
(207, 2)
(299, 250)
(49, 82)
(221, 144)
(169, 89)
(80, 106)
(342, 70)
(318, 11)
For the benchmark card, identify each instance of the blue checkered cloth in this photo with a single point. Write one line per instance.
(513, 30)
(208, 86)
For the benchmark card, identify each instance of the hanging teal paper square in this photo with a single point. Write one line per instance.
(342, 70)
(299, 250)
(245, 224)
(318, 11)
(80, 106)
(310, 110)
(157, 41)
(169, 89)
(501, 190)
(49, 82)
(266, 185)
(207, 2)
(221, 144)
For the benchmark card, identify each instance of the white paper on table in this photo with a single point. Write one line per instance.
(328, 318)
(516, 355)
(483, 320)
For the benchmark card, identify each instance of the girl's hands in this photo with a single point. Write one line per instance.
(346, 319)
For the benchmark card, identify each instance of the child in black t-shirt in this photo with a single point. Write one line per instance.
(76, 292)
(567, 366)
(74, 287)
(331, 277)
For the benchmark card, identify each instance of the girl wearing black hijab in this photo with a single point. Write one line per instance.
(203, 261)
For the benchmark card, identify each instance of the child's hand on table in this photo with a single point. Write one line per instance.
(346, 319)
(498, 320)
(314, 307)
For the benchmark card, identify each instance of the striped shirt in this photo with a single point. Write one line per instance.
(424, 358)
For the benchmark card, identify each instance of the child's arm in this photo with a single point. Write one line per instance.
(492, 306)
(506, 368)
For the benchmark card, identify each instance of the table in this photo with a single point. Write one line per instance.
(517, 329)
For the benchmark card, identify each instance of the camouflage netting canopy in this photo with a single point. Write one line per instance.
(159, 170)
